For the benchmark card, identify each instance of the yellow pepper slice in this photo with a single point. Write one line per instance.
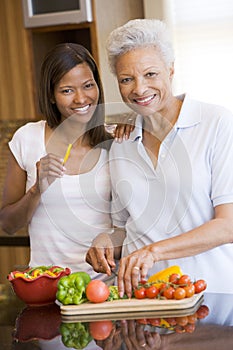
(164, 275)
(19, 274)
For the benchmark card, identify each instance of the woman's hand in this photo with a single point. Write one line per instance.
(136, 338)
(134, 268)
(124, 125)
(49, 168)
(101, 254)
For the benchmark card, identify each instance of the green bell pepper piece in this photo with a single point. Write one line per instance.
(71, 289)
(75, 335)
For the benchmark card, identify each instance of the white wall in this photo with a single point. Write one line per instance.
(109, 15)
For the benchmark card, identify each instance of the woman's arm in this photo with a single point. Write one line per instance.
(213, 233)
(17, 205)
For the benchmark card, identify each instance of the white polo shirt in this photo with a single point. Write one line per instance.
(194, 173)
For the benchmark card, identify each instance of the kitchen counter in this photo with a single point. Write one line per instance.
(43, 328)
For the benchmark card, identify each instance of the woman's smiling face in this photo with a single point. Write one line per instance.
(144, 80)
(77, 94)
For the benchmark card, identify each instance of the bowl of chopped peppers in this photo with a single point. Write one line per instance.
(37, 286)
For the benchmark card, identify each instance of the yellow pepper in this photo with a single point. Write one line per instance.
(163, 276)
(19, 274)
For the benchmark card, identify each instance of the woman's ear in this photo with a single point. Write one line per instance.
(171, 71)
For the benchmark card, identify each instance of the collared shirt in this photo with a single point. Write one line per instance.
(193, 175)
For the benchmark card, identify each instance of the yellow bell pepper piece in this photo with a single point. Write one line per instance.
(163, 276)
(19, 274)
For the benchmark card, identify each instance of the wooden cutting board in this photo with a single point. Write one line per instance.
(132, 308)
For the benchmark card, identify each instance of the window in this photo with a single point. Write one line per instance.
(203, 41)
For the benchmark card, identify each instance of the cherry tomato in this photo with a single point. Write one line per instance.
(174, 277)
(203, 311)
(179, 293)
(140, 293)
(171, 320)
(184, 279)
(189, 290)
(168, 293)
(192, 318)
(142, 321)
(200, 285)
(182, 320)
(179, 329)
(152, 292)
(163, 287)
(154, 321)
(97, 291)
(142, 281)
(100, 330)
(189, 328)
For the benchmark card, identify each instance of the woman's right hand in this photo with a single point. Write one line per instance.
(101, 254)
(49, 168)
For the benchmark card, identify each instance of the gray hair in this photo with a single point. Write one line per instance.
(139, 33)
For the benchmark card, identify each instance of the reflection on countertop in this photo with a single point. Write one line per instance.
(43, 328)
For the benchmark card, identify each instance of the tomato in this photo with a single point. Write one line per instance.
(168, 293)
(100, 330)
(184, 279)
(142, 321)
(189, 328)
(152, 292)
(202, 312)
(189, 290)
(154, 321)
(200, 285)
(140, 293)
(174, 277)
(182, 320)
(171, 321)
(179, 293)
(192, 318)
(97, 291)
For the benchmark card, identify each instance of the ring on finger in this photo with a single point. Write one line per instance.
(136, 268)
(143, 345)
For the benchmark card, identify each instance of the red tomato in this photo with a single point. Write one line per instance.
(100, 330)
(192, 318)
(182, 320)
(97, 291)
(152, 292)
(168, 293)
(140, 293)
(203, 311)
(189, 328)
(200, 285)
(189, 290)
(179, 293)
(154, 321)
(174, 277)
(184, 279)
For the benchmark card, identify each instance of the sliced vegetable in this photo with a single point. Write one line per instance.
(37, 271)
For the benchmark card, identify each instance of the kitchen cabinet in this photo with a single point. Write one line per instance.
(22, 50)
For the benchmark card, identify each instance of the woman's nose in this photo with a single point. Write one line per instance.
(139, 87)
(80, 96)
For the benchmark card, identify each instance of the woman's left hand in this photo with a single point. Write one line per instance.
(132, 269)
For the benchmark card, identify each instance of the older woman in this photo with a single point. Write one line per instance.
(172, 180)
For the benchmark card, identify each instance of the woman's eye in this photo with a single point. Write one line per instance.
(89, 85)
(125, 80)
(151, 74)
(67, 91)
